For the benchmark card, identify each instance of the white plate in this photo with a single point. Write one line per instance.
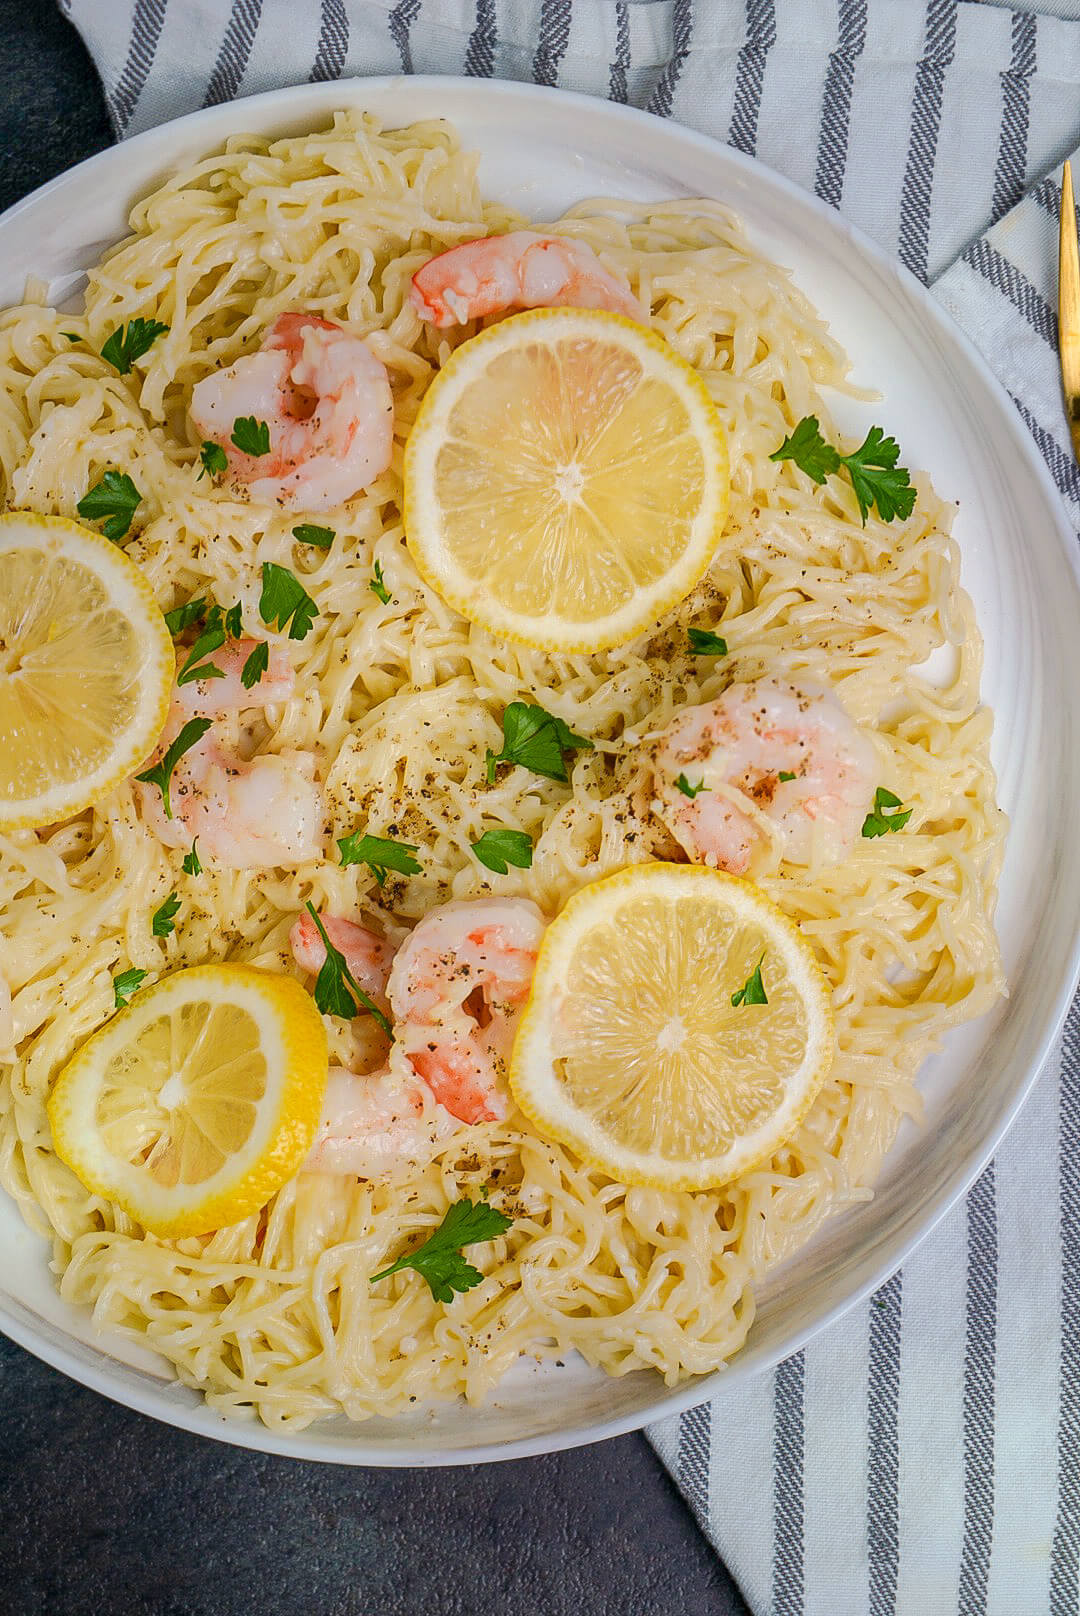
(542, 151)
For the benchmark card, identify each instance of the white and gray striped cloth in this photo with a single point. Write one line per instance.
(921, 1456)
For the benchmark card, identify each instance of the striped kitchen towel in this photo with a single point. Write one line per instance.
(922, 1455)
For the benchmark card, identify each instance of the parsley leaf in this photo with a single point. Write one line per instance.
(214, 460)
(234, 621)
(129, 342)
(116, 498)
(809, 450)
(875, 476)
(378, 587)
(499, 848)
(785, 774)
(250, 436)
(877, 479)
(753, 989)
(256, 665)
(161, 773)
(883, 817)
(191, 860)
(164, 920)
(381, 853)
(537, 740)
(705, 643)
(687, 789)
(285, 602)
(124, 985)
(182, 617)
(337, 992)
(209, 641)
(438, 1259)
(321, 537)
(72, 336)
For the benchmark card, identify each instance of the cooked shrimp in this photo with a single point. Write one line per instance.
(737, 749)
(372, 1125)
(247, 814)
(517, 271)
(456, 989)
(327, 402)
(367, 955)
(229, 694)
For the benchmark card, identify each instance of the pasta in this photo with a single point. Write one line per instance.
(398, 702)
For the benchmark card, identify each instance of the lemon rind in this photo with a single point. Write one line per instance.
(535, 1086)
(464, 594)
(291, 1029)
(111, 564)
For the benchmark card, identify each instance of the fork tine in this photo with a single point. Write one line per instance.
(1069, 307)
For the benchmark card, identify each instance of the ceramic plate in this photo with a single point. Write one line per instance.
(542, 151)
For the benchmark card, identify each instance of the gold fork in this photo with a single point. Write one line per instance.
(1069, 307)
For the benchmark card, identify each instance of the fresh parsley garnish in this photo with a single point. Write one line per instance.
(785, 774)
(182, 617)
(378, 587)
(129, 342)
(337, 992)
(885, 816)
(195, 665)
(703, 642)
(124, 985)
(809, 450)
(214, 460)
(321, 537)
(116, 498)
(285, 602)
(753, 989)
(537, 740)
(191, 860)
(381, 853)
(875, 476)
(164, 921)
(256, 665)
(439, 1260)
(250, 436)
(687, 789)
(499, 848)
(234, 621)
(161, 773)
(72, 336)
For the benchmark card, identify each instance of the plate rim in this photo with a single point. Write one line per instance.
(350, 92)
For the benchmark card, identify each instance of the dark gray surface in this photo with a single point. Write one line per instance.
(105, 1513)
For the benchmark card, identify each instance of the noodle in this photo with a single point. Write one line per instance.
(398, 703)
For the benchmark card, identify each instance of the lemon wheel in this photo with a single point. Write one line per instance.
(86, 665)
(646, 1045)
(195, 1103)
(566, 479)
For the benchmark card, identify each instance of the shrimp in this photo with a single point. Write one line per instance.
(367, 955)
(740, 751)
(456, 989)
(517, 271)
(209, 697)
(246, 814)
(327, 402)
(371, 1126)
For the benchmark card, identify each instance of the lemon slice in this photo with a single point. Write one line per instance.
(86, 665)
(566, 480)
(198, 1101)
(630, 1050)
